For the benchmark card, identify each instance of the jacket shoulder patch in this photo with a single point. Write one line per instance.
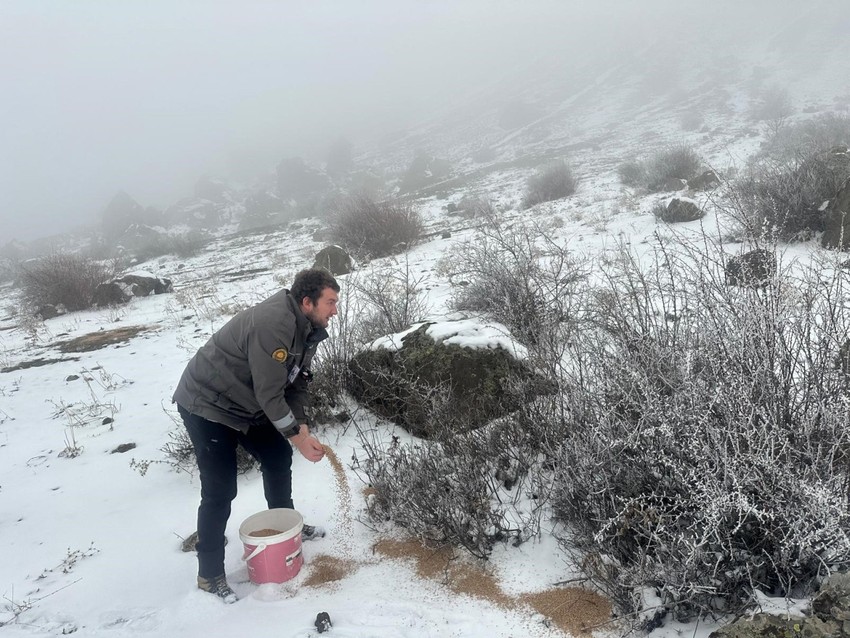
(280, 355)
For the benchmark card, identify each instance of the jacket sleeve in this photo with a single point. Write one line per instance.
(269, 374)
(298, 398)
(298, 392)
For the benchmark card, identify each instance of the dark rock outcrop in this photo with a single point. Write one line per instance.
(120, 291)
(48, 311)
(142, 285)
(706, 180)
(755, 268)
(335, 260)
(475, 385)
(111, 294)
(672, 184)
(829, 617)
(122, 212)
(680, 210)
(195, 213)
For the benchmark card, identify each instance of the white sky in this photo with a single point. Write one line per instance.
(147, 96)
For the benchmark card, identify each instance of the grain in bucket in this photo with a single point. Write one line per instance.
(272, 540)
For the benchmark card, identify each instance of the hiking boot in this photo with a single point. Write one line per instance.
(312, 532)
(218, 586)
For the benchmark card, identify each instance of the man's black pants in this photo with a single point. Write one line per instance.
(215, 447)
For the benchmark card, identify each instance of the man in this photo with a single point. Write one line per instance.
(248, 385)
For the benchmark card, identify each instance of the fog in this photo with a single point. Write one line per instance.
(148, 96)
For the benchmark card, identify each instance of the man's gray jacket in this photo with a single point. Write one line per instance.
(253, 366)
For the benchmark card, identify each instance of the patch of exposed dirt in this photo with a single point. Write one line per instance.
(571, 609)
(36, 363)
(326, 569)
(101, 339)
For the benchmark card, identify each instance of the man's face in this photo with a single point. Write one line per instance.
(320, 313)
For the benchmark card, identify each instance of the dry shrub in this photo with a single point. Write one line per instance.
(520, 277)
(820, 133)
(367, 227)
(550, 183)
(702, 448)
(461, 487)
(632, 173)
(477, 208)
(674, 162)
(773, 104)
(785, 199)
(63, 278)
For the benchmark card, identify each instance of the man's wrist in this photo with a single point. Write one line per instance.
(301, 435)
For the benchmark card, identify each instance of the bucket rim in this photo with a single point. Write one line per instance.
(250, 524)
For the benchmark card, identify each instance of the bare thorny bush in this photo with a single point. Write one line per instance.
(519, 276)
(468, 486)
(784, 199)
(552, 182)
(703, 450)
(674, 162)
(465, 487)
(368, 227)
(821, 133)
(63, 278)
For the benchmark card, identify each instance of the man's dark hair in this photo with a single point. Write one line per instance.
(310, 283)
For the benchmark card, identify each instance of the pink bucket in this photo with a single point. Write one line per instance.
(275, 558)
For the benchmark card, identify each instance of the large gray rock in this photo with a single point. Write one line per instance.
(120, 291)
(770, 626)
(830, 617)
(110, 294)
(335, 260)
(139, 236)
(681, 210)
(755, 268)
(143, 285)
(49, 311)
(471, 385)
(706, 180)
(672, 184)
(833, 599)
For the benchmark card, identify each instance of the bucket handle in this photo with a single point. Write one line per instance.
(262, 546)
(293, 556)
(259, 548)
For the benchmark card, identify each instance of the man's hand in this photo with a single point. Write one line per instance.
(308, 445)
